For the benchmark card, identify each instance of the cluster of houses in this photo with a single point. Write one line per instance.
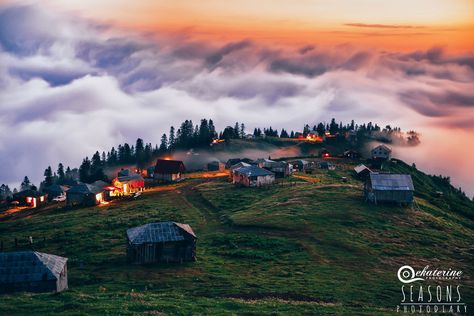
(32, 271)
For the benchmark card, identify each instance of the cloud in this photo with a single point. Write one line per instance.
(69, 90)
(383, 26)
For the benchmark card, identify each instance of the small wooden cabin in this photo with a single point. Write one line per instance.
(169, 170)
(387, 187)
(128, 183)
(30, 198)
(233, 161)
(381, 152)
(281, 169)
(327, 165)
(85, 195)
(253, 176)
(161, 242)
(32, 271)
(362, 171)
(263, 163)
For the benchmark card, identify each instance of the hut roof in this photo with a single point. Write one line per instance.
(358, 169)
(84, 188)
(253, 171)
(29, 266)
(130, 177)
(239, 165)
(159, 232)
(388, 181)
(260, 160)
(382, 147)
(27, 193)
(169, 166)
(100, 184)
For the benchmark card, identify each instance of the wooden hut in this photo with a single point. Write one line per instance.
(263, 163)
(281, 169)
(32, 271)
(85, 195)
(253, 176)
(362, 171)
(327, 165)
(128, 183)
(161, 242)
(386, 187)
(233, 161)
(215, 166)
(381, 152)
(168, 170)
(30, 198)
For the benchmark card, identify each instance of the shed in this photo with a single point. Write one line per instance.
(161, 242)
(362, 171)
(168, 170)
(84, 194)
(253, 176)
(215, 166)
(381, 152)
(387, 187)
(32, 271)
(30, 198)
(300, 164)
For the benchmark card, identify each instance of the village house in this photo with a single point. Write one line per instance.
(303, 165)
(239, 165)
(387, 187)
(362, 171)
(85, 195)
(169, 170)
(215, 166)
(127, 183)
(31, 271)
(263, 163)
(55, 191)
(253, 176)
(30, 198)
(352, 154)
(381, 152)
(281, 169)
(161, 242)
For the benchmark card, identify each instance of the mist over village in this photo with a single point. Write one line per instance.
(236, 158)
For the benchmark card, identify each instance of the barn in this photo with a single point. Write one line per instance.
(215, 166)
(253, 176)
(381, 152)
(161, 242)
(387, 187)
(85, 195)
(30, 198)
(168, 170)
(32, 271)
(128, 183)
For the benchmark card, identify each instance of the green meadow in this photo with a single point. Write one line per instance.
(309, 245)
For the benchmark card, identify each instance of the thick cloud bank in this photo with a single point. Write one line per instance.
(69, 86)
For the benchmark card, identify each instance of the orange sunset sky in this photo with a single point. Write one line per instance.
(400, 25)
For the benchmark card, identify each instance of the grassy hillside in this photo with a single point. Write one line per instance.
(309, 245)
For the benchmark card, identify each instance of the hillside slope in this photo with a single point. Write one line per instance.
(308, 245)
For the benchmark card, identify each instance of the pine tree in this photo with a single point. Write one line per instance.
(171, 140)
(60, 172)
(48, 176)
(26, 184)
(164, 143)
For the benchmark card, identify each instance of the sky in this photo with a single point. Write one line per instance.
(81, 76)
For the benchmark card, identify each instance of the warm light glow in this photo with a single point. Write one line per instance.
(99, 197)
